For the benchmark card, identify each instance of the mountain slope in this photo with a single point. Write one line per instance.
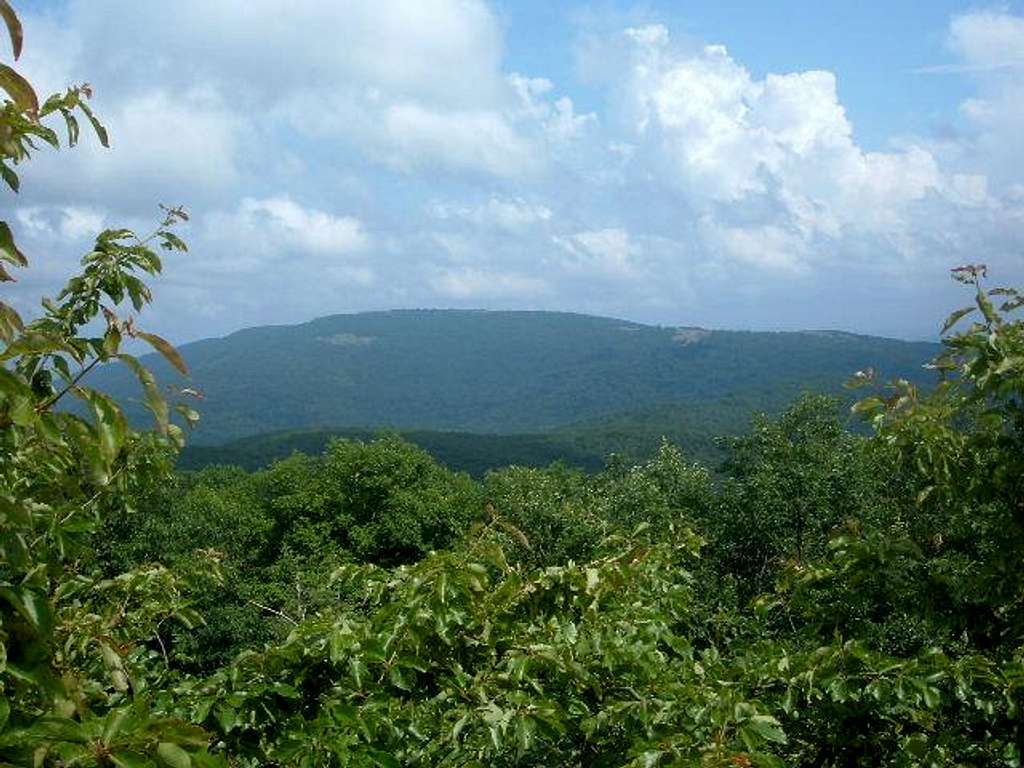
(498, 372)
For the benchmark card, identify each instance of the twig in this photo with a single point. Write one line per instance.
(274, 611)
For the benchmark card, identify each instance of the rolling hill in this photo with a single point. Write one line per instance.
(502, 372)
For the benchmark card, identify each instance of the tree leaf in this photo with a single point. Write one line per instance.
(383, 759)
(115, 666)
(20, 90)
(768, 728)
(32, 606)
(10, 252)
(173, 756)
(164, 347)
(991, 316)
(72, 124)
(172, 241)
(151, 393)
(126, 759)
(97, 126)
(9, 177)
(954, 318)
(13, 27)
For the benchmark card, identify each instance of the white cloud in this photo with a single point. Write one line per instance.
(608, 252)
(286, 225)
(293, 135)
(163, 148)
(418, 137)
(513, 215)
(990, 48)
(73, 223)
(444, 51)
(417, 83)
(988, 40)
(777, 153)
(558, 119)
(766, 247)
(480, 284)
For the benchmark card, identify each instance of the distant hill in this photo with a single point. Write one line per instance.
(634, 434)
(459, 451)
(500, 372)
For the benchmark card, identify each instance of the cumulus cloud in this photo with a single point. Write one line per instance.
(461, 141)
(305, 229)
(164, 148)
(609, 252)
(778, 149)
(990, 49)
(477, 285)
(367, 155)
(417, 83)
(988, 40)
(558, 118)
(70, 222)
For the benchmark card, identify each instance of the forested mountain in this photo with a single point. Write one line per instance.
(499, 372)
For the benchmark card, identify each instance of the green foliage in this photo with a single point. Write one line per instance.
(277, 535)
(467, 660)
(793, 481)
(855, 602)
(475, 454)
(77, 658)
(544, 515)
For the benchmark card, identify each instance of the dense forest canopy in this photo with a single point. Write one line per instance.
(819, 599)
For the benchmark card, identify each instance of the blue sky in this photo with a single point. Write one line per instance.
(874, 48)
(726, 164)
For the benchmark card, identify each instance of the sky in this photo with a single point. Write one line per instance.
(770, 166)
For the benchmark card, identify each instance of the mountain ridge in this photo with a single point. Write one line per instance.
(498, 371)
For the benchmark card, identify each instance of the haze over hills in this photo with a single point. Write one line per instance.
(501, 372)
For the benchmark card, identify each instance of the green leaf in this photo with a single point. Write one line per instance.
(867, 405)
(172, 242)
(526, 730)
(10, 252)
(955, 317)
(59, 729)
(1015, 363)
(767, 727)
(359, 671)
(383, 759)
(151, 393)
(101, 132)
(125, 759)
(9, 176)
(115, 666)
(111, 341)
(19, 89)
(227, 718)
(172, 756)
(116, 722)
(991, 316)
(32, 606)
(164, 348)
(111, 424)
(13, 27)
(72, 124)
(398, 678)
